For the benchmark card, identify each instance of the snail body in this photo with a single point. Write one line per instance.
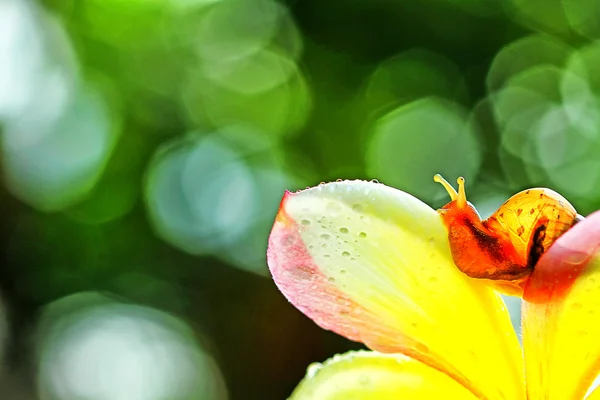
(506, 246)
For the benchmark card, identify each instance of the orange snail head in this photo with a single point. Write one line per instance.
(458, 209)
(476, 250)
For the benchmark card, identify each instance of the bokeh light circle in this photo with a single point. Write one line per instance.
(236, 28)
(547, 111)
(523, 54)
(215, 193)
(93, 347)
(431, 133)
(61, 168)
(277, 101)
(412, 75)
(38, 69)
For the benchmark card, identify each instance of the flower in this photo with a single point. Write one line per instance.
(373, 264)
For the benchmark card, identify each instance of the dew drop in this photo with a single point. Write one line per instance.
(331, 279)
(576, 258)
(305, 222)
(362, 235)
(312, 370)
(374, 181)
(326, 255)
(344, 230)
(345, 254)
(325, 236)
(432, 279)
(431, 241)
(342, 271)
(324, 245)
(357, 208)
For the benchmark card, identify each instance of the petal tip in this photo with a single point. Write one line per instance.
(564, 261)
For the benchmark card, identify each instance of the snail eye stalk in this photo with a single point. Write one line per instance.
(451, 191)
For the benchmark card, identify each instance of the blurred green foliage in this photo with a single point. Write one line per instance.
(146, 146)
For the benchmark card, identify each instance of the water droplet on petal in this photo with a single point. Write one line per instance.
(344, 230)
(345, 254)
(312, 370)
(357, 208)
(362, 235)
(305, 222)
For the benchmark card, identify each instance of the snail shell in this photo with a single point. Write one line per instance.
(506, 246)
(533, 219)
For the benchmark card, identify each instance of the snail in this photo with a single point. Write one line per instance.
(505, 247)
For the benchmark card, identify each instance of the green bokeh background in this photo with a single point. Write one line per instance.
(145, 146)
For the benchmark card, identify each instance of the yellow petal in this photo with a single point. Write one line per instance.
(373, 264)
(367, 375)
(595, 395)
(561, 315)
